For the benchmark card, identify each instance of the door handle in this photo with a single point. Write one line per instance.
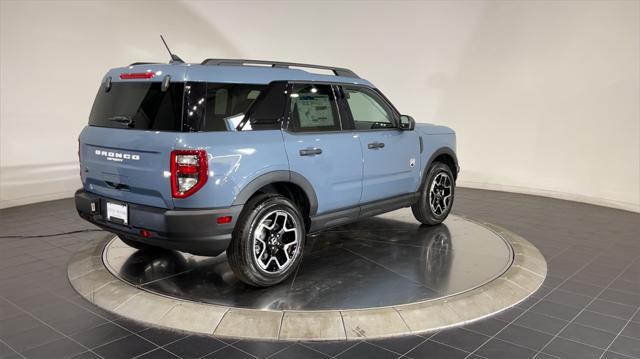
(310, 151)
(375, 145)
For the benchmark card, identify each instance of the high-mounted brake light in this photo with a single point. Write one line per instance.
(188, 172)
(137, 75)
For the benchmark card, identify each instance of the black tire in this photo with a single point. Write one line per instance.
(422, 210)
(244, 248)
(135, 244)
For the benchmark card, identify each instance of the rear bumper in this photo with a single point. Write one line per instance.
(188, 230)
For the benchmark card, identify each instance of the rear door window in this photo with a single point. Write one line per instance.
(313, 108)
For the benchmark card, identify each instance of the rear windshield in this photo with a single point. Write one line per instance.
(138, 105)
(188, 107)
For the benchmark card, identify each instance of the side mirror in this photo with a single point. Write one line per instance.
(407, 123)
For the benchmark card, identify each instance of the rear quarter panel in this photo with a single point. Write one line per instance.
(235, 159)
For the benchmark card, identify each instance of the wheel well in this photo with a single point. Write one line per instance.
(449, 161)
(293, 192)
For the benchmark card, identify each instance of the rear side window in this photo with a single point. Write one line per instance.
(313, 108)
(268, 111)
(227, 105)
(138, 105)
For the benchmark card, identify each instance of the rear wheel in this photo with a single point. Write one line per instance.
(268, 241)
(436, 195)
(134, 244)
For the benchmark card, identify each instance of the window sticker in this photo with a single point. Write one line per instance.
(314, 110)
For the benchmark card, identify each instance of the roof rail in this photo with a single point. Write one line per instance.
(338, 71)
(145, 63)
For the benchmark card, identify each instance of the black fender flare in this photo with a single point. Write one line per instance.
(438, 152)
(279, 176)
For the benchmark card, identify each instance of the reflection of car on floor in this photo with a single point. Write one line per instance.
(438, 256)
(250, 156)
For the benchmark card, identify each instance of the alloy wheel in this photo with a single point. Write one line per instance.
(440, 193)
(276, 242)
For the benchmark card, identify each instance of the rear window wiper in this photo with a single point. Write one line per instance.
(123, 120)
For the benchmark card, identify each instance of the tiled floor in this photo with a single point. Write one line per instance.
(587, 308)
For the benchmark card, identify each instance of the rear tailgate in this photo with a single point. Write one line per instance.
(134, 124)
(129, 165)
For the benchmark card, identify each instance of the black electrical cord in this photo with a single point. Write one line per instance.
(54, 234)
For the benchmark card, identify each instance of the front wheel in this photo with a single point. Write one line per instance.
(268, 241)
(436, 195)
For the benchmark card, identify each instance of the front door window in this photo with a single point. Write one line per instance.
(368, 110)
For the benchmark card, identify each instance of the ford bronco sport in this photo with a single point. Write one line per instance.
(250, 156)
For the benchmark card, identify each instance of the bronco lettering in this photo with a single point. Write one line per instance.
(117, 156)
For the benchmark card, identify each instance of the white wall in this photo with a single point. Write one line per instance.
(53, 55)
(545, 96)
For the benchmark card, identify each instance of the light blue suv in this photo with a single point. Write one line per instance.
(251, 156)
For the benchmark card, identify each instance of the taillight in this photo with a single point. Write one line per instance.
(136, 75)
(188, 172)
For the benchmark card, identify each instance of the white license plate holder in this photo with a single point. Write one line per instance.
(118, 213)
